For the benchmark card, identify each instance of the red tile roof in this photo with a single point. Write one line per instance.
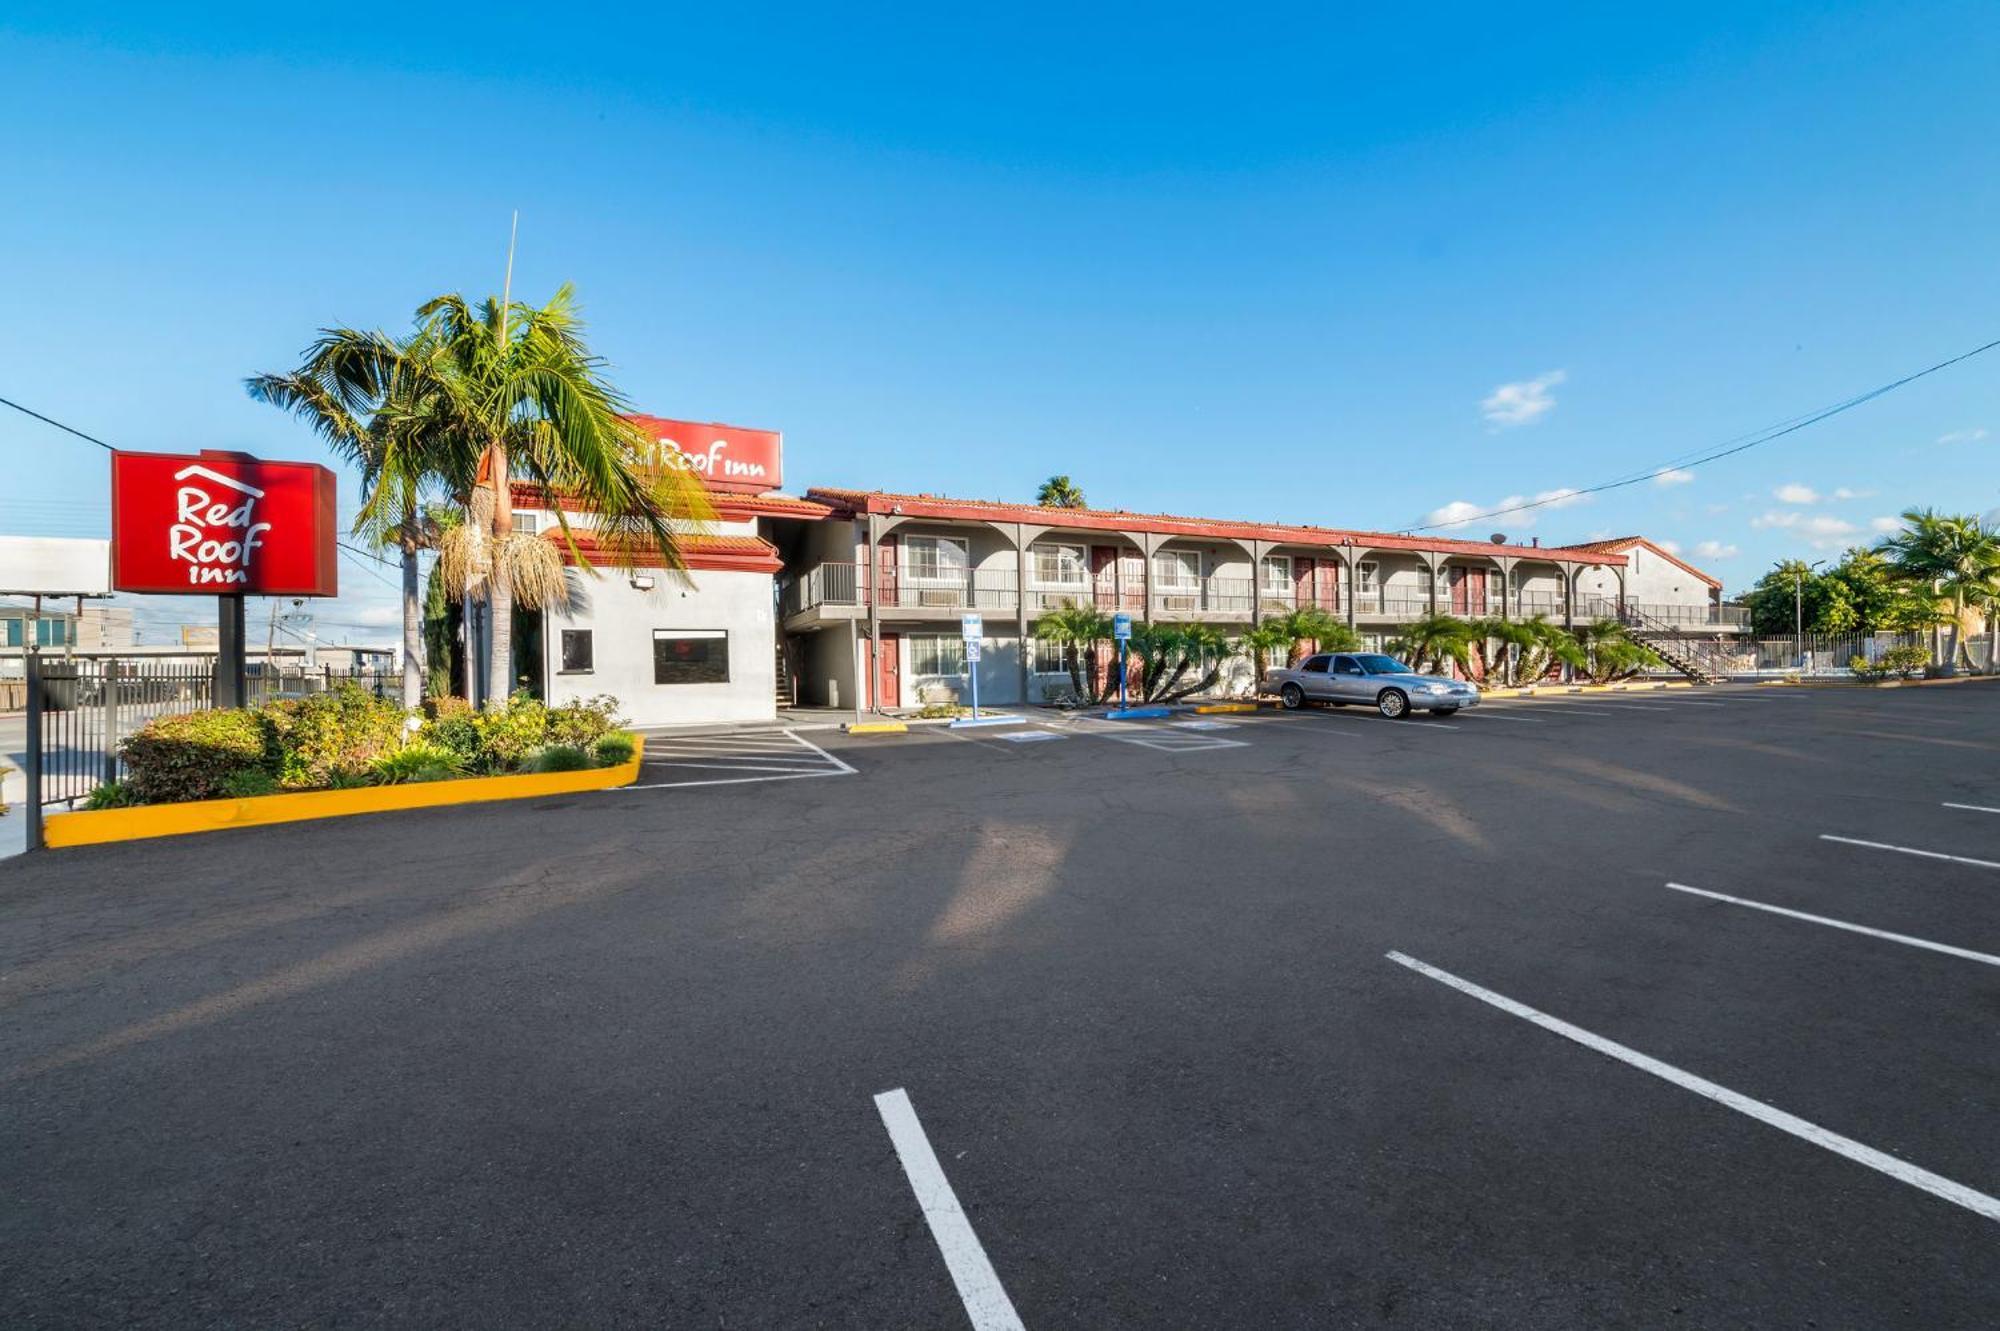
(729, 554)
(1099, 519)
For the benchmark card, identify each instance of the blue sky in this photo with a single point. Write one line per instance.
(1350, 267)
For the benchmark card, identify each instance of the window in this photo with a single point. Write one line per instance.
(936, 654)
(1048, 657)
(1365, 571)
(1177, 570)
(1316, 665)
(1380, 665)
(936, 559)
(1345, 665)
(690, 656)
(1061, 565)
(1278, 575)
(577, 652)
(13, 631)
(530, 524)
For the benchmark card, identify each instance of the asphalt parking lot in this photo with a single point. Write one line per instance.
(1602, 1010)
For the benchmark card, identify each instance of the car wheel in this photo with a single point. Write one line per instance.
(1292, 696)
(1394, 704)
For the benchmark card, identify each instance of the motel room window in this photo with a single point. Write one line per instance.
(530, 524)
(1060, 566)
(1049, 657)
(936, 558)
(936, 654)
(1365, 571)
(577, 654)
(1177, 570)
(1277, 575)
(690, 656)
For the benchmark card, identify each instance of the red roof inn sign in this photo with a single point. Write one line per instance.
(725, 457)
(221, 524)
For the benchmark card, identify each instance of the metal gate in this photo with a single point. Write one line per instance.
(79, 708)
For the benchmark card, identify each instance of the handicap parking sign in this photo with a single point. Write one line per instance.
(971, 628)
(1121, 626)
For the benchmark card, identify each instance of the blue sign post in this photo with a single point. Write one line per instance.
(1121, 629)
(972, 628)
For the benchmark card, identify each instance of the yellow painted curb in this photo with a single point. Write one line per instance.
(877, 728)
(1208, 709)
(93, 827)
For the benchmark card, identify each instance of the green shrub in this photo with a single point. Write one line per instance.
(508, 736)
(614, 749)
(111, 795)
(417, 761)
(349, 778)
(250, 783)
(345, 728)
(584, 722)
(191, 756)
(1906, 662)
(556, 758)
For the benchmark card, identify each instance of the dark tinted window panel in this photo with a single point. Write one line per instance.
(690, 656)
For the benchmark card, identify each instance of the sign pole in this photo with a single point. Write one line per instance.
(972, 628)
(230, 686)
(1122, 672)
(33, 765)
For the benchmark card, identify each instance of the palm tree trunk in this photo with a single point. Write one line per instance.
(500, 588)
(413, 625)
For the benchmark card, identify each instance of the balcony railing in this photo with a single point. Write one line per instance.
(843, 586)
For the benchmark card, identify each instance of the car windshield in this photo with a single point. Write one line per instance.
(1376, 664)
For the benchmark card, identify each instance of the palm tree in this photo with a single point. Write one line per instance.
(1957, 557)
(529, 396)
(1078, 629)
(376, 402)
(1434, 640)
(1549, 646)
(1060, 492)
(1515, 637)
(1611, 652)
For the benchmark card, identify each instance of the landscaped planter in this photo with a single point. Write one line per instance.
(93, 826)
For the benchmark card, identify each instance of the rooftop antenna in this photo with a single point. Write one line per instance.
(507, 283)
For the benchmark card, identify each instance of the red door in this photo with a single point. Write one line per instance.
(889, 671)
(1104, 576)
(885, 558)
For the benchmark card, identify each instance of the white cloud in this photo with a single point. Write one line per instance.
(1717, 508)
(1672, 476)
(1521, 402)
(1971, 436)
(1886, 525)
(1671, 547)
(1821, 529)
(1464, 513)
(1844, 493)
(1796, 494)
(1715, 550)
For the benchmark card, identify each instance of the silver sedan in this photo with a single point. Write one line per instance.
(1370, 678)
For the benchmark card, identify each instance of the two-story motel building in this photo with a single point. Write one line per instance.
(852, 599)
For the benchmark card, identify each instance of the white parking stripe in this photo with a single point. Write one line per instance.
(979, 1288)
(1356, 716)
(1567, 707)
(1911, 850)
(1935, 1184)
(1496, 716)
(1636, 706)
(1945, 948)
(1971, 808)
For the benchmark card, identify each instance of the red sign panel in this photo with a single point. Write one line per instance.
(726, 457)
(221, 524)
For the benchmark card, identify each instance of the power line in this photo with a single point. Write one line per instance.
(47, 420)
(1730, 449)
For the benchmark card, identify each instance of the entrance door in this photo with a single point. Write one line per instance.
(889, 671)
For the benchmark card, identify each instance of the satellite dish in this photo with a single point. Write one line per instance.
(1498, 538)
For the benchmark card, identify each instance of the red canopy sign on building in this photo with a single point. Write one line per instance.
(726, 457)
(221, 524)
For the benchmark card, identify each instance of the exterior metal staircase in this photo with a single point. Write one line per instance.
(1678, 652)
